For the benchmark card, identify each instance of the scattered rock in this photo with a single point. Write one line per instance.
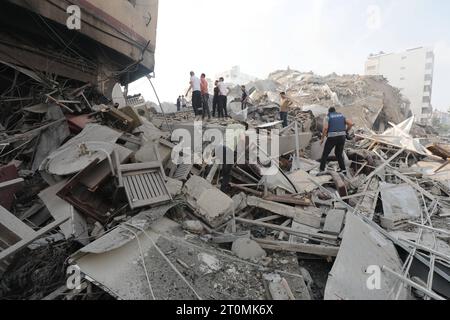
(248, 249)
(193, 226)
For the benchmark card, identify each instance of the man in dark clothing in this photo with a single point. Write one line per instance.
(244, 97)
(216, 98)
(179, 103)
(335, 128)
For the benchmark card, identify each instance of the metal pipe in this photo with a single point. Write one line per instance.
(429, 228)
(411, 283)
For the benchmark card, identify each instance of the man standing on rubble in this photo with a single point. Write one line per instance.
(183, 103)
(205, 97)
(285, 104)
(216, 98)
(223, 92)
(335, 128)
(196, 93)
(244, 98)
(227, 153)
(179, 104)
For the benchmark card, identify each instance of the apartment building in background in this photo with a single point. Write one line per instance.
(412, 72)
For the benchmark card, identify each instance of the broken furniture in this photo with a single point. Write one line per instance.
(87, 202)
(144, 183)
(16, 235)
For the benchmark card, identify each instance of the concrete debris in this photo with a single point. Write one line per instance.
(334, 222)
(248, 250)
(200, 194)
(193, 226)
(363, 248)
(79, 172)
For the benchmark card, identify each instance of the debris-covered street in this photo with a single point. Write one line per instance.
(102, 197)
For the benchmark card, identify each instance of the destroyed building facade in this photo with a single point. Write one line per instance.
(89, 186)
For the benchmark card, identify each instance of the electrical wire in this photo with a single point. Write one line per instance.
(167, 259)
(143, 261)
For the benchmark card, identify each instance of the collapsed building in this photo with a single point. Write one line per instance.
(89, 186)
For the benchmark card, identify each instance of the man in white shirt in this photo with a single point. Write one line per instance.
(223, 92)
(196, 94)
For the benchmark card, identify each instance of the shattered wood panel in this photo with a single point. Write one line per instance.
(98, 174)
(85, 201)
(58, 208)
(12, 227)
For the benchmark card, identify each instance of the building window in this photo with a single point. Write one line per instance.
(371, 68)
(403, 68)
(428, 77)
(426, 110)
(429, 66)
(402, 79)
(404, 57)
(426, 100)
(430, 55)
(427, 89)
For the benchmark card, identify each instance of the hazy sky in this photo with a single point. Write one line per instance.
(323, 36)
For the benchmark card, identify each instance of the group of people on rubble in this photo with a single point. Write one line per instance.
(200, 97)
(336, 126)
(181, 103)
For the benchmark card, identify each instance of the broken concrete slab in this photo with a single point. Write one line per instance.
(240, 202)
(174, 187)
(193, 226)
(362, 249)
(248, 249)
(200, 193)
(395, 222)
(334, 222)
(147, 152)
(207, 273)
(302, 181)
(309, 218)
(400, 199)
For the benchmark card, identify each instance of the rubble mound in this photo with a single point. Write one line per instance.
(369, 100)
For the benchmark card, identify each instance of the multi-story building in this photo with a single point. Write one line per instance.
(412, 72)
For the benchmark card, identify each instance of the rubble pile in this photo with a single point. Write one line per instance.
(368, 100)
(90, 186)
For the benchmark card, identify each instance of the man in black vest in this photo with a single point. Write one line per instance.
(335, 128)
